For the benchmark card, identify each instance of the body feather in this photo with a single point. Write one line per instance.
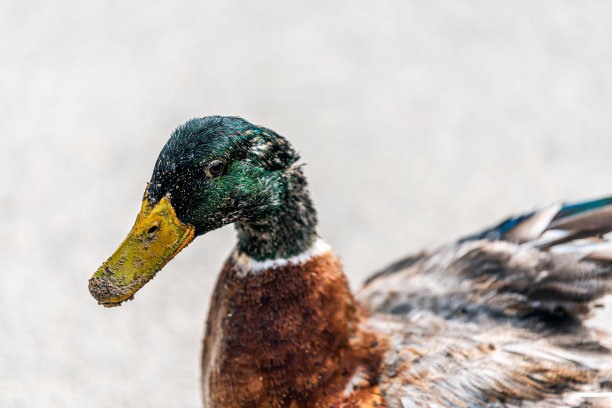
(498, 318)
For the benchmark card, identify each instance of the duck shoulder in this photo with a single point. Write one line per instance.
(498, 318)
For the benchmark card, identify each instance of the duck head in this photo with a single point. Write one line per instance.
(213, 171)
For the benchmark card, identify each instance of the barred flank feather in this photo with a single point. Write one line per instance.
(497, 319)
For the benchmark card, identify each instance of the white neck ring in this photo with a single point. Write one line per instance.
(248, 265)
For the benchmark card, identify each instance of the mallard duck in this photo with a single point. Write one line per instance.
(495, 319)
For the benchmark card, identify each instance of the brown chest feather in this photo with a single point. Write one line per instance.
(288, 337)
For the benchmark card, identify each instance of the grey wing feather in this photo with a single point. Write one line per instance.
(543, 266)
(497, 319)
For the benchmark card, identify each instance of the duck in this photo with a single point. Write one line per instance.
(495, 319)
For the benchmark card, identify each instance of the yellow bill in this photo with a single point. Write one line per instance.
(157, 236)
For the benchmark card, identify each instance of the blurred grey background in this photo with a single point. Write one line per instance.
(420, 121)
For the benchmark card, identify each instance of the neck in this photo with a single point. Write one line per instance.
(291, 228)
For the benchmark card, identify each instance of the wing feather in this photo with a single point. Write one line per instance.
(498, 318)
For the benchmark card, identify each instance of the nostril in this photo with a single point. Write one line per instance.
(152, 229)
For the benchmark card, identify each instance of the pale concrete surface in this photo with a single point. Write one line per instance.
(419, 121)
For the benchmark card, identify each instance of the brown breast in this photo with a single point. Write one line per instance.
(288, 336)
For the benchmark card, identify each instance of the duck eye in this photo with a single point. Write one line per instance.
(216, 167)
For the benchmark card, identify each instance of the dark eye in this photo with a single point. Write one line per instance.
(216, 167)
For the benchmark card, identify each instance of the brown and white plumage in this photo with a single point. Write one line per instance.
(498, 319)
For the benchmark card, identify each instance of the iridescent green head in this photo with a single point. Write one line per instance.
(213, 171)
(218, 170)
